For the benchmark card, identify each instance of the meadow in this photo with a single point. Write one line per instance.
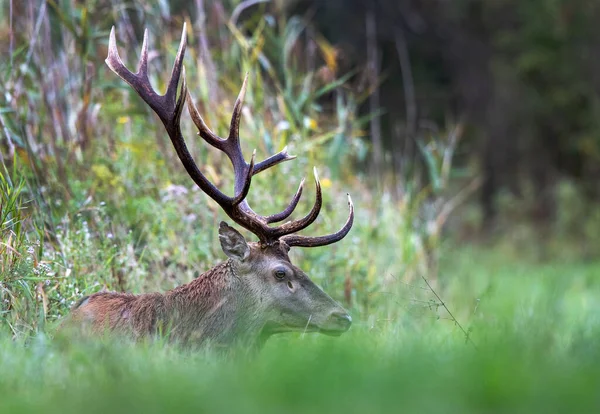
(533, 348)
(93, 197)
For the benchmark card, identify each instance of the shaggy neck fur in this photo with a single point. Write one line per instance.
(217, 305)
(217, 308)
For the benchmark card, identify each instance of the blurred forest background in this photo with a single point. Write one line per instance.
(467, 133)
(518, 81)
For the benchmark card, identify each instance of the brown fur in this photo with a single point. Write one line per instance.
(235, 300)
(174, 312)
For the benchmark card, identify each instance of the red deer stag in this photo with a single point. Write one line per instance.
(257, 292)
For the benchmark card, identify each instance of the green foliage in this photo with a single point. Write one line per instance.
(20, 268)
(536, 351)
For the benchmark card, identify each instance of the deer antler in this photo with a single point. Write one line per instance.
(169, 107)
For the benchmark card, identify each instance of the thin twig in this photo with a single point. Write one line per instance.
(467, 337)
(425, 302)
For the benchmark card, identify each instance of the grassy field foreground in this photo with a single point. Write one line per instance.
(535, 349)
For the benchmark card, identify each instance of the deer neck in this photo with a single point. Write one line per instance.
(217, 307)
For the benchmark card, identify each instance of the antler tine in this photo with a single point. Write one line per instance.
(114, 62)
(171, 93)
(234, 128)
(306, 241)
(179, 103)
(213, 139)
(168, 107)
(246, 183)
(273, 160)
(274, 218)
(143, 64)
(162, 105)
(203, 130)
(239, 209)
(304, 222)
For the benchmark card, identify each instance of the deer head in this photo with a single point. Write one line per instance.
(271, 294)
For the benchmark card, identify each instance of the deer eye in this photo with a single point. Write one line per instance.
(280, 274)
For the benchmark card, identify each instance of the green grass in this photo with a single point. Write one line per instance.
(534, 326)
(352, 375)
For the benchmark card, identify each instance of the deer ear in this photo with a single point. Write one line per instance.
(233, 243)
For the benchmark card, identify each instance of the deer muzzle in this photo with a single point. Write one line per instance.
(337, 323)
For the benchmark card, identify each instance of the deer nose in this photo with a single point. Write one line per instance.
(343, 319)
